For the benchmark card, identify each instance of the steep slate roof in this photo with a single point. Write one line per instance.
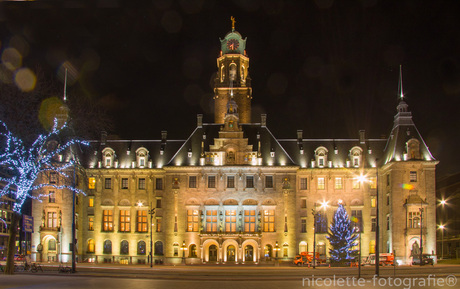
(403, 130)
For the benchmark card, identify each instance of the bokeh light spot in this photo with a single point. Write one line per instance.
(25, 79)
(50, 109)
(11, 58)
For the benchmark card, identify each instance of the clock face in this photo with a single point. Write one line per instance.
(233, 44)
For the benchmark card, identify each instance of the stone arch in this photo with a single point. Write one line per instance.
(268, 202)
(124, 202)
(205, 251)
(211, 202)
(193, 202)
(230, 202)
(49, 255)
(256, 251)
(225, 252)
(356, 202)
(107, 202)
(250, 202)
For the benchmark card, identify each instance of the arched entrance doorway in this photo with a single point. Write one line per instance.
(50, 249)
(249, 253)
(213, 253)
(231, 252)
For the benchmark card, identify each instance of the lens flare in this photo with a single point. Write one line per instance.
(407, 186)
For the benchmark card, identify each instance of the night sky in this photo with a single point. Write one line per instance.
(328, 67)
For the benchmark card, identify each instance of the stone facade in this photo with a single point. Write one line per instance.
(233, 193)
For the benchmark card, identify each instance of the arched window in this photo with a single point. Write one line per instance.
(107, 247)
(124, 248)
(52, 245)
(192, 251)
(91, 246)
(158, 248)
(108, 156)
(141, 248)
(413, 149)
(141, 156)
(321, 156)
(356, 156)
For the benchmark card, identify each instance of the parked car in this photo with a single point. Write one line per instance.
(17, 257)
(427, 259)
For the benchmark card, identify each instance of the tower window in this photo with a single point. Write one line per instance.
(192, 182)
(269, 181)
(230, 182)
(211, 181)
(413, 176)
(249, 181)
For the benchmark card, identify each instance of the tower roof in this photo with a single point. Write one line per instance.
(233, 42)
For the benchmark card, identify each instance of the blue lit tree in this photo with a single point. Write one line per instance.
(25, 167)
(342, 237)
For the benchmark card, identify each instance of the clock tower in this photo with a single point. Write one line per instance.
(232, 79)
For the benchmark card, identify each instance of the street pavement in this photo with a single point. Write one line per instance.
(115, 276)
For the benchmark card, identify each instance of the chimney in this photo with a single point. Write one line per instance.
(164, 135)
(199, 120)
(299, 135)
(103, 137)
(263, 119)
(362, 136)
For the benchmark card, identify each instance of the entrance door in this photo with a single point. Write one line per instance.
(231, 253)
(213, 253)
(249, 253)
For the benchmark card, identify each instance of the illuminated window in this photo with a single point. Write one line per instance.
(107, 157)
(192, 220)
(373, 202)
(211, 221)
(141, 184)
(269, 220)
(158, 221)
(303, 184)
(230, 221)
(91, 223)
(124, 183)
(357, 219)
(141, 221)
(91, 246)
(413, 176)
(52, 220)
(321, 156)
(321, 184)
(107, 220)
(51, 197)
(356, 184)
(108, 183)
(231, 182)
(249, 181)
(91, 183)
(211, 181)
(414, 219)
(125, 221)
(338, 184)
(269, 182)
(192, 182)
(373, 182)
(249, 221)
(141, 155)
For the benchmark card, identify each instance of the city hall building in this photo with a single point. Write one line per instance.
(232, 193)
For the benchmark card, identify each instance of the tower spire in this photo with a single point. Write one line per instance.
(65, 86)
(400, 85)
(233, 22)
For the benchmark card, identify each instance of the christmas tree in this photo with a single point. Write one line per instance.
(342, 237)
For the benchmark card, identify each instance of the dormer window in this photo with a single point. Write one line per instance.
(321, 156)
(108, 156)
(356, 156)
(141, 157)
(413, 149)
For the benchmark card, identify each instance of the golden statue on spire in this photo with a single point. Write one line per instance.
(233, 22)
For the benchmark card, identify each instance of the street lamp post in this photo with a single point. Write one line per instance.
(442, 241)
(151, 212)
(359, 256)
(277, 248)
(313, 211)
(377, 226)
(183, 248)
(421, 234)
